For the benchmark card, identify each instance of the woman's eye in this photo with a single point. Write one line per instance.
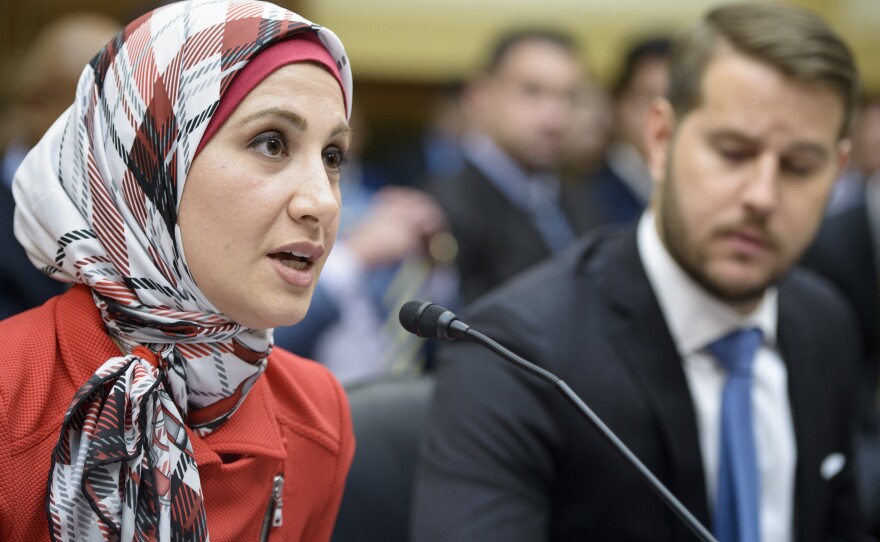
(335, 158)
(271, 144)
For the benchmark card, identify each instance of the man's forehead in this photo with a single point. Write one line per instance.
(531, 51)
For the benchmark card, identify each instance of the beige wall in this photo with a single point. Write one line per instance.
(429, 40)
(400, 47)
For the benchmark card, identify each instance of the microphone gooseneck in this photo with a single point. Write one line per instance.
(431, 321)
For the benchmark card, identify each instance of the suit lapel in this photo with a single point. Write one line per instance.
(640, 334)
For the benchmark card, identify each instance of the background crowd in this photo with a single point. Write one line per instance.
(510, 165)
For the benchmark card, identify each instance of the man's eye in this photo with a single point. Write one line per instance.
(736, 155)
(798, 168)
(335, 158)
(271, 144)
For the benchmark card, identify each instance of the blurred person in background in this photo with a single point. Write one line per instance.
(586, 144)
(732, 375)
(383, 258)
(43, 86)
(448, 121)
(506, 209)
(847, 251)
(434, 150)
(191, 196)
(621, 188)
(849, 190)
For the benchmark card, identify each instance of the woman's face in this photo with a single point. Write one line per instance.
(260, 208)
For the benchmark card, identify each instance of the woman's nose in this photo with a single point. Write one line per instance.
(315, 199)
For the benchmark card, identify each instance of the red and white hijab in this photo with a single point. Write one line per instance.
(97, 202)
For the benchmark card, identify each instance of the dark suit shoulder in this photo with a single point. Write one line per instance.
(809, 291)
(460, 190)
(816, 321)
(472, 203)
(608, 192)
(540, 289)
(843, 239)
(844, 222)
(542, 312)
(496, 239)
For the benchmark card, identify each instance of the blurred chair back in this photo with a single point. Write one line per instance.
(388, 417)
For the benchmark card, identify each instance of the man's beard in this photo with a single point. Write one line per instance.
(684, 251)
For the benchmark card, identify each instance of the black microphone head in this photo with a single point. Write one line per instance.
(421, 318)
(410, 313)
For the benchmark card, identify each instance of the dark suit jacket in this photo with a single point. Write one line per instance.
(507, 459)
(610, 197)
(496, 239)
(843, 252)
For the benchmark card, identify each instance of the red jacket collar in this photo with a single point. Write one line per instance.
(84, 345)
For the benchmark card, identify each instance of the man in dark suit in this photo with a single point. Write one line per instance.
(506, 208)
(732, 377)
(621, 188)
(845, 252)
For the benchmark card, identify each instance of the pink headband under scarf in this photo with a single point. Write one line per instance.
(304, 47)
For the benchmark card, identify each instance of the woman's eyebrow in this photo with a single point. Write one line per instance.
(341, 128)
(295, 120)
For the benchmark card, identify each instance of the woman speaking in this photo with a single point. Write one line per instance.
(190, 195)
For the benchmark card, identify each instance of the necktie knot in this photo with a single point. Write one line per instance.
(736, 350)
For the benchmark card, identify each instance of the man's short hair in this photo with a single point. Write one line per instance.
(639, 53)
(792, 40)
(505, 43)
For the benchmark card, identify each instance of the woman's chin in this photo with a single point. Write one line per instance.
(289, 316)
(269, 320)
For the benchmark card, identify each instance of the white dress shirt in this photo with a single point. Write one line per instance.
(695, 319)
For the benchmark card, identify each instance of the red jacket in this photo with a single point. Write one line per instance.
(295, 422)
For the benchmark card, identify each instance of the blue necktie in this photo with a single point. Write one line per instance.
(737, 501)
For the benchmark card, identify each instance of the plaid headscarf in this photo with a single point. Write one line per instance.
(97, 203)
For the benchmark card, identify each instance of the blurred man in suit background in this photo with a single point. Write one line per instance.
(621, 188)
(506, 208)
(849, 190)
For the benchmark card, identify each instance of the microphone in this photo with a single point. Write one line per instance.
(431, 321)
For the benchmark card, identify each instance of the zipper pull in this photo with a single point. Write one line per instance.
(277, 487)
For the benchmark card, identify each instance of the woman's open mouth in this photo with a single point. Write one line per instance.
(293, 259)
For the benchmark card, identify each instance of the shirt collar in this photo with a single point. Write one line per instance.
(694, 316)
